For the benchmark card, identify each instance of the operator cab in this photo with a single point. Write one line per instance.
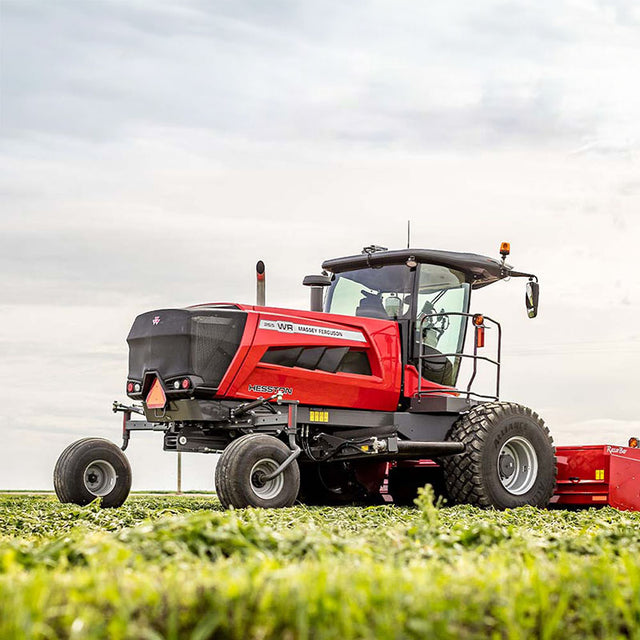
(407, 294)
(423, 290)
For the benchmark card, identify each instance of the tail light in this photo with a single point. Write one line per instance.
(185, 383)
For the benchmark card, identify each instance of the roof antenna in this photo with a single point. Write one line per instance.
(408, 233)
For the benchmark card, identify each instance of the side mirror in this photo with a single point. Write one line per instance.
(531, 298)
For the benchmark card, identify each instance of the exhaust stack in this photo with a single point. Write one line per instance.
(261, 284)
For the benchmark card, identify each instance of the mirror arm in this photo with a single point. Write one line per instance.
(521, 274)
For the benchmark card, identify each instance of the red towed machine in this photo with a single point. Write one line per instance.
(599, 474)
(353, 399)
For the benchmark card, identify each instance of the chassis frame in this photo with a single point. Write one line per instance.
(322, 434)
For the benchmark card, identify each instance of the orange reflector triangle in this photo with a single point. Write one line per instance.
(156, 398)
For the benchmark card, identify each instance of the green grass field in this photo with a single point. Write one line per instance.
(180, 567)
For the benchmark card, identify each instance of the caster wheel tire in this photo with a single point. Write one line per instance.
(92, 468)
(242, 466)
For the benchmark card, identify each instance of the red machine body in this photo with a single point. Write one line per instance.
(597, 475)
(268, 328)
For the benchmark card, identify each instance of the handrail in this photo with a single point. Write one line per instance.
(422, 356)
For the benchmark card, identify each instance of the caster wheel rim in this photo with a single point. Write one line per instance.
(269, 489)
(100, 478)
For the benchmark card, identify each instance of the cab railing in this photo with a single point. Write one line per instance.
(479, 321)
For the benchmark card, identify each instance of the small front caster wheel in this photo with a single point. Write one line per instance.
(241, 470)
(92, 468)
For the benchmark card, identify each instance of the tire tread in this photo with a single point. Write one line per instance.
(67, 476)
(463, 472)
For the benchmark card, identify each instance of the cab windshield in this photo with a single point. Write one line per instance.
(374, 293)
(389, 291)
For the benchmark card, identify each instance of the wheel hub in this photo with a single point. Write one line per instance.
(257, 479)
(507, 465)
(100, 478)
(266, 489)
(517, 465)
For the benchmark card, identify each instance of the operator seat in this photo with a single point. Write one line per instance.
(371, 306)
(437, 367)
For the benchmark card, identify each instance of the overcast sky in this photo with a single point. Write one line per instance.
(153, 151)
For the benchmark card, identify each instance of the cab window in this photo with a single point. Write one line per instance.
(373, 293)
(441, 291)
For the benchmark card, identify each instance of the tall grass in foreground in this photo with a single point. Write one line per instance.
(181, 568)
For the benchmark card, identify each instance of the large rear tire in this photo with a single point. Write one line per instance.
(240, 467)
(92, 468)
(509, 459)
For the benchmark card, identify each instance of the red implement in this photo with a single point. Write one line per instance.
(598, 475)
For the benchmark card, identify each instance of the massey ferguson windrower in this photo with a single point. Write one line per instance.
(325, 405)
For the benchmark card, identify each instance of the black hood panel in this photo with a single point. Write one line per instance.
(185, 342)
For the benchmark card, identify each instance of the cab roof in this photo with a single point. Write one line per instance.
(480, 270)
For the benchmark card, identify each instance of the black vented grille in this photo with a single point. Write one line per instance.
(330, 359)
(215, 342)
(184, 342)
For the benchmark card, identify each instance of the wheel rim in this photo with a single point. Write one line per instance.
(100, 478)
(517, 465)
(266, 489)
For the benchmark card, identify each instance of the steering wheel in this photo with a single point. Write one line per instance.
(437, 323)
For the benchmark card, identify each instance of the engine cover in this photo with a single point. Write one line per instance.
(198, 343)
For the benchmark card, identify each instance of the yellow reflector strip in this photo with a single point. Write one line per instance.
(319, 416)
(599, 474)
(156, 398)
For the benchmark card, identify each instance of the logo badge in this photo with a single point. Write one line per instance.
(263, 388)
(156, 320)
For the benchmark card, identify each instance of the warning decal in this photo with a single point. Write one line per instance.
(310, 330)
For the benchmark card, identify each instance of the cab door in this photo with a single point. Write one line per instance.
(438, 332)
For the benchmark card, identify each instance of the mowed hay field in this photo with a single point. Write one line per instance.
(180, 567)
